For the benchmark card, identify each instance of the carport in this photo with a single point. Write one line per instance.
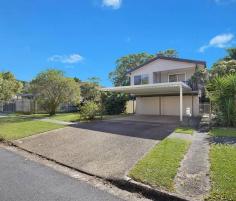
(169, 89)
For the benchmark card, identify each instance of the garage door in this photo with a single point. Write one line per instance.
(147, 105)
(169, 105)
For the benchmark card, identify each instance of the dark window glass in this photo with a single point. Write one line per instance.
(145, 79)
(137, 80)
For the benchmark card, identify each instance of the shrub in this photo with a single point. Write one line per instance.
(114, 103)
(89, 110)
(222, 93)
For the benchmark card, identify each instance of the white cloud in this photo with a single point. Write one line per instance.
(69, 59)
(115, 4)
(220, 2)
(220, 41)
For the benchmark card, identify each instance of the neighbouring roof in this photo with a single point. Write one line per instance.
(151, 89)
(171, 59)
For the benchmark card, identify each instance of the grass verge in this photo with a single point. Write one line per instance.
(184, 130)
(223, 132)
(159, 167)
(13, 128)
(223, 172)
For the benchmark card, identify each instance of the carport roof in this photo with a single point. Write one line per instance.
(151, 89)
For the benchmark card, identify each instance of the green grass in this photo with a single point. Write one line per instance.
(223, 172)
(18, 127)
(68, 117)
(223, 132)
(184, 130)
(159, 167)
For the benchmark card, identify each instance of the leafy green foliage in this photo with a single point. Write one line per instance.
(231, 54)
(168, 53)
(222, 93)
(160, 165)
(223, 67)
(51, 88)
(90, 90)
(114, 103)
(9, 86)
(89, 110)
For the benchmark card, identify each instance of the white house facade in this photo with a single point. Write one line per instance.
(161, 87)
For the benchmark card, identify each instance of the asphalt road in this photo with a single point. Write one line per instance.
(25, 180)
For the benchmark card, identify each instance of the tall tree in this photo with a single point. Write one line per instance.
(90, 90)
(51, 88)
(169, 53)
(126, 63)
(9, 86)
(231, 54)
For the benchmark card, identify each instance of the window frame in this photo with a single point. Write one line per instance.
(141, 79)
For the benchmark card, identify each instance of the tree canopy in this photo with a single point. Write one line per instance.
(226, 65)
(51, 88)
(9, 86)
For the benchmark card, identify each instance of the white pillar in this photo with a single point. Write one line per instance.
(181, 102)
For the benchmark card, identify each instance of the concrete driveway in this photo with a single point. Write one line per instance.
(103, 148)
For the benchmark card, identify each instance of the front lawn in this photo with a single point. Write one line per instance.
(18, 127)
(184, 130)
(223, 132)
(223, 172)
(159, 167)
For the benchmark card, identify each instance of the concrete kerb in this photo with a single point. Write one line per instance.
(124, 184)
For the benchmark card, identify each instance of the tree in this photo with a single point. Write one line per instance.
(9, 86)
(222, 68)
(231, 54)
(90, 90)
(51, 88)
(168, 53)
(222, 93)
(126, 63)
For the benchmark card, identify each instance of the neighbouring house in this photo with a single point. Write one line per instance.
(161, 87)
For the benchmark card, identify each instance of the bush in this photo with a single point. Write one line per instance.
(89, 110)
(114, 103)
(222, 93)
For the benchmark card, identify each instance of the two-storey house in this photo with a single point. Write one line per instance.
(161, 87)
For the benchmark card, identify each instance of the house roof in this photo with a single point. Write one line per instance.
(151, 89)
(169, 58)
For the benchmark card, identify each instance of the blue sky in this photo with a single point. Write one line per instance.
(85, 37)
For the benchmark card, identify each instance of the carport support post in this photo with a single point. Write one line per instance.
(181, 102)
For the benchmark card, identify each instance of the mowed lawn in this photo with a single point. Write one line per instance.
(12, 128)
(223, 167)
(159, 167)
(223, 172)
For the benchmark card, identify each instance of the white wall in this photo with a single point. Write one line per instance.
(167, 66)
(169, 105)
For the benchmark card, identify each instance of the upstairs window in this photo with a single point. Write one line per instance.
(141, 79)
(177, 77)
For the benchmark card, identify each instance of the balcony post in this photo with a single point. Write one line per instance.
(181, 102)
